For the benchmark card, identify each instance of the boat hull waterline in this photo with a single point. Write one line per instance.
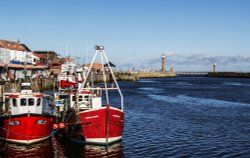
(102, 126)
(26, 128)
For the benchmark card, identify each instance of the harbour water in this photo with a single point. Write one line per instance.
(169, 117)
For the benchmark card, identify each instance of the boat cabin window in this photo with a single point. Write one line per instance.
(38, 103)
(73, 98)
(23, 102)
(14, 102)
(31, 101)
(80, 98)
(86, 98)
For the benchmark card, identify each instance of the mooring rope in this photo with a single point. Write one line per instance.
(8, 131)
(6, 143)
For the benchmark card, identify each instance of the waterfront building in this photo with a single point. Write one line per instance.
(15, 58)
(96, 67)
(14, 53)
(38, 59)
(47, 56)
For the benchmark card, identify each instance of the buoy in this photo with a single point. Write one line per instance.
(61, 125)
(55, 126)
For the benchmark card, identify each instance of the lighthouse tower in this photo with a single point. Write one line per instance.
(163, 63)
(214, 67)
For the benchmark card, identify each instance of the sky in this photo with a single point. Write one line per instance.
(193, 34)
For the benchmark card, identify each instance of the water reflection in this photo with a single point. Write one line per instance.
(63, 148)
(58, 147)
(115, 150)
(42, 150)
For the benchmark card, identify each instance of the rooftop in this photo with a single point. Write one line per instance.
(13, 45)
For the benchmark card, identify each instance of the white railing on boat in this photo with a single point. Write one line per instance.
(99, 88)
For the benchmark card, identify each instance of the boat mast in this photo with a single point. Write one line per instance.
(104, 58)
(101, 51)
(113, 76)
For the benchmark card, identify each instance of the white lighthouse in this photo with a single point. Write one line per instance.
(163, 63)
(214, 67)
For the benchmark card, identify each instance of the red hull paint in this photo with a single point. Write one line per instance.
(101, 123)
(67, 84)
(30, 128)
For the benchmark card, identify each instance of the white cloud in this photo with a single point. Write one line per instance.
(194, 62)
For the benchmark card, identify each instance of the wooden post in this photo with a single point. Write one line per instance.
(41, 84)
(1, 92)
(1, 95)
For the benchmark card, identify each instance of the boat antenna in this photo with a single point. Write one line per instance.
(67, 48)
(25, 68)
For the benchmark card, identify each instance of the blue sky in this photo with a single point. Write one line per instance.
(192, 33)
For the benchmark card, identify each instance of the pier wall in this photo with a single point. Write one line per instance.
(156, 74)
(126, 76)
(229, 74)
(129, 76)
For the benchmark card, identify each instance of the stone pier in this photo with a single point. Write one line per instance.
(133, 76)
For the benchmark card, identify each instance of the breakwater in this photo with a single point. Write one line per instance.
(133, 76)
(229, 74)
(126, 76)
(156, 74)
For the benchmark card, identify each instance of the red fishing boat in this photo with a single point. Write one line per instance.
(66, 78)
(91, 117)
(28, 116)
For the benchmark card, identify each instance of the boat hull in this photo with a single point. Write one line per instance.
(26, 128)
(102, 126)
